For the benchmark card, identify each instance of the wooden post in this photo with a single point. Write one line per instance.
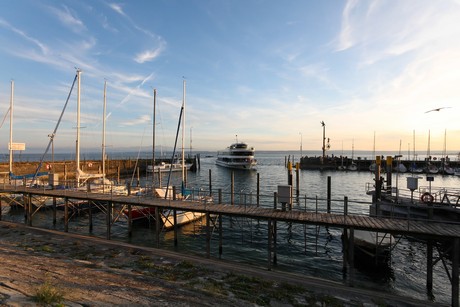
(429, 266)
(232, 189)
(66, 214)
(0, 209)
(275, 258)
(351, 252)
(328, 194)
(258, 189)
(118, 174)
(54, 211)
(25, 204)
(345, 250)
(157, 226)
(269, 244)
(455, 271)
(297, 179)
(130, 221)
(210, 183)
(138, 177)
(90, 216)
(220, 236)
(345, 237)
(175, 227)
(220, 196)
(109, 219)
(159, 178)
(208, 236)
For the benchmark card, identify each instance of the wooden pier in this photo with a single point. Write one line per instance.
(431, 231)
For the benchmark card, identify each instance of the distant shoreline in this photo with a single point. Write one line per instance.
(125, 155)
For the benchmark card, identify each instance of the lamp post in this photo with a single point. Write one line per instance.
(324, 141)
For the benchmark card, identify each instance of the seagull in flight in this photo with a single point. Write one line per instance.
(437, 109)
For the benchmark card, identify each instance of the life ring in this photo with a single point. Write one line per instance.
(90, 164)
(48, 167)
(427, 198)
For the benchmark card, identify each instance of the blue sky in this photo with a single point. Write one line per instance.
(267, 71)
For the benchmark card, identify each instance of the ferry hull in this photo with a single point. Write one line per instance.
(243, 166)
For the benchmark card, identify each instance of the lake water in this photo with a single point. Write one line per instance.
(308, 250)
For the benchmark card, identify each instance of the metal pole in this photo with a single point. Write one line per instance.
(11, 126)
(328, 194)
(153, 138)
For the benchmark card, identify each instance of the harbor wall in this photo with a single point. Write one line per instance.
(67, 169)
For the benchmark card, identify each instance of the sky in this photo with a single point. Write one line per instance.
(260, 71)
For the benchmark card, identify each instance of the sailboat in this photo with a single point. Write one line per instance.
(446, 169)
(182, 217)
(167, 216)
(373, 165)
(413, 168)
(81, 176)
(341, 167)
(352, 166)
(18, 179)
(430, 168)
(102, 184)
(399, 167)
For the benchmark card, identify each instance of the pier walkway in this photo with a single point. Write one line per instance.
(378, 224)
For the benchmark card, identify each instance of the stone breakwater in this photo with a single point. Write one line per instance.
(67, 169)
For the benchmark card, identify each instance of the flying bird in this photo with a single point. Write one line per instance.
(438, 109)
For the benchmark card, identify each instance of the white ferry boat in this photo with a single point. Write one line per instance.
(238, 156)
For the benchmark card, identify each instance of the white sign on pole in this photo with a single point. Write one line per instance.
(17, 146)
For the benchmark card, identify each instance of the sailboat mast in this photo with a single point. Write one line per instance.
(103, 128)
(428, 153)
(11, 126)
(77, 143)
(183, 133)
(153, 134)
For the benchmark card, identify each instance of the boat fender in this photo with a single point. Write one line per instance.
(48, 167)
(427, 198)
(90, 164)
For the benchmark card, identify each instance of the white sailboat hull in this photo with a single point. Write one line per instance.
(182, 218)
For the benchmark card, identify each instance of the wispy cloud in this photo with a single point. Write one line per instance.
(44, 49)
(117, 8)
(146, 55)
(106, 25)
(346, 39)
(149, 55)
(135, 90)
(68, 18)
(138, 121)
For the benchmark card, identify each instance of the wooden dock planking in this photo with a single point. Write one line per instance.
(335, 220)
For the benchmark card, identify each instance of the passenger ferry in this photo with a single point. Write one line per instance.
(237, 156)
